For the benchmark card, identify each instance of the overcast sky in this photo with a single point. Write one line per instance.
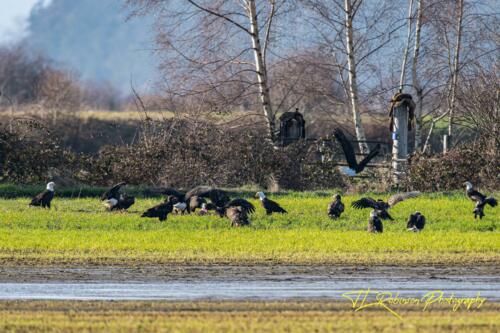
(13, 16)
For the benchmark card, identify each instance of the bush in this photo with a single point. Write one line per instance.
(444, 172)
(174, 153)
(29, 154)
(182, 155)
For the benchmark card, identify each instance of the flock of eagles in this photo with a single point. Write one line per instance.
(237, 210)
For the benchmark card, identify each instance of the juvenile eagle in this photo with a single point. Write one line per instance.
(375, 223)
(44, 198)
(245, 205)
(162, 210)
(480, 199)
(336, 207)
(350, 156)
(381, 206)
(195, 202)
(237, 210)
(269, 205)
(416, 222)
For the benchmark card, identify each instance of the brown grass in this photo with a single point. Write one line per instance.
(49, 316)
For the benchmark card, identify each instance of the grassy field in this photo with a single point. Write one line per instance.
(79, 230)
(307, 316)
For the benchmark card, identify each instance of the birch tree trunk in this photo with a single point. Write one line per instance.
(407, 47)
(415, 80)
(456, 67)
(260, 68)
(353, 85)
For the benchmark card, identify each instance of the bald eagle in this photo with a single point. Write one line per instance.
(269, 205)
(350, 156)
(480, 199)
(162, 210)
(416, 222)
(44, 198)
(381, 206)
(245, 205)
(122, 203)
(181, 208)
(114, 200)
(336, 207)
(113, 193)
(375, 223)
(216, 196)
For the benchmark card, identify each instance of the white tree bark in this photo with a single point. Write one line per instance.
(353, 85)
(407, 47)
(415, 79)
(456, 67)
(260, 68)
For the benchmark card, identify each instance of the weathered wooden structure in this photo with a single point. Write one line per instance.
(292, 127)
(402, 116)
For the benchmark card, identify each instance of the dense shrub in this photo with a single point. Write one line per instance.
(443, 172)
(175, 153)
(29, 154)
(212, 156)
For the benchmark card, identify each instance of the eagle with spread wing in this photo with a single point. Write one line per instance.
(382, 207)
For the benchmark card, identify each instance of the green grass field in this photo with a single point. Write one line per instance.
(80, 230)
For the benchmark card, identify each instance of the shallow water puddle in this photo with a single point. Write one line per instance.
(303, 287)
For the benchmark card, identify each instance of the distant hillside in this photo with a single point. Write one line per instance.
(94, 37)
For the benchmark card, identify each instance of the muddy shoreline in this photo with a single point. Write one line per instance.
(227, 272)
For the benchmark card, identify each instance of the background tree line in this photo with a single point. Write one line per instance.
(235, 66)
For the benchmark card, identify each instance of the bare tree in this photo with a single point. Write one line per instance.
(451, 40)
(407, 47)
(353, 83)
(415, 79)
(21, 72)
(456, 67)
(354, 32)
(219, 50)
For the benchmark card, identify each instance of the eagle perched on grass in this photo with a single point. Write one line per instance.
(237, 210)
(480, 199)
(114, 200)
(269, 205)
(416, 222)
(375, 223)
(336, 207)
(44, 198)
(162, 210)
(245, 205)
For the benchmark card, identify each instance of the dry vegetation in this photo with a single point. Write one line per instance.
(247, 316)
